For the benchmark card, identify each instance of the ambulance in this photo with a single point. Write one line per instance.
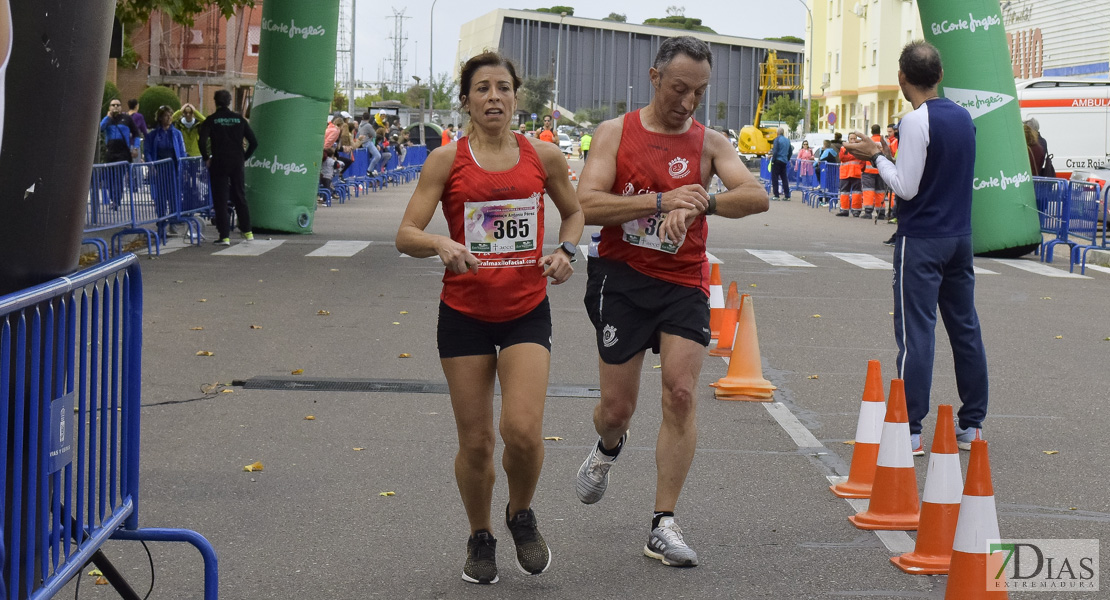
(1074, 115)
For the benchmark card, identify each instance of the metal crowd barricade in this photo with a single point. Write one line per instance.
(154, 198)
(830, 184)
(109, 197)
(70, 392)
(1083, 218)
(195, 195)
(1051, 194)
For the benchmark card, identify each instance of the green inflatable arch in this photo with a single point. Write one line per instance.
(978, 75)
(296, 73)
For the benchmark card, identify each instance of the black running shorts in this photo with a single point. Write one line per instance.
(630, 310)
(461, 335)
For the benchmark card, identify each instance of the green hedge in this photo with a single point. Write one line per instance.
(152, 98)
(110, 91)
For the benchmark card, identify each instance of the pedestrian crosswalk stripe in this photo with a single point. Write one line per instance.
(343, 248)
(1099, 268)
(713, 260)
(251, 248)
(778, 258)
(863, 261)
(982, 271)
(1038, 268)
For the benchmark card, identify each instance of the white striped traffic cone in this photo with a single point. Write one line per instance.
(894, 502)
(716, 301)
(973, 565)
(869, 431)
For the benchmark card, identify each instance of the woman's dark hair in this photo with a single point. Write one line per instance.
(485, 59)
(162, 110)
(684, 44)
(920, 63)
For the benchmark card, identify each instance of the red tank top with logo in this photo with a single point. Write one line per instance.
(498, 216)
(648, 163)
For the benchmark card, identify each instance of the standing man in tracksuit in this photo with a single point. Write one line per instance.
(781, 150)
(225, 130)
(933, 251)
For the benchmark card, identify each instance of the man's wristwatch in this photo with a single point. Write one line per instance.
(569, 249)
(875, 157)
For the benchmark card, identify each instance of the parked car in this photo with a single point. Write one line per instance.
(565, 144)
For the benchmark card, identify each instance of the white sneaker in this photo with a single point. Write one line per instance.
(593, 475)
(666, 544)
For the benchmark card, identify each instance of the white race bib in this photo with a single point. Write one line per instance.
(644, 232)
(500, 226)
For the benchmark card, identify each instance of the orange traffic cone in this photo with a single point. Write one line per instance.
(869, 431)
(570, 173)
(894, 500)
(940, 504)
(716, 301)
(973, 565)
(744, 380)
(730, 315)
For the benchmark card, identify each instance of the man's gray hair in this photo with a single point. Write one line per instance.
(690, 46)
(782, 131)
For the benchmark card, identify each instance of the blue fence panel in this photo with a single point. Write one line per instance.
(70, 384)
(415, 156)
(1084, 211)
(109, 203)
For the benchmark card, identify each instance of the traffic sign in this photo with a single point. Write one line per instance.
(534, 115)
(556, 115)
(832, 118)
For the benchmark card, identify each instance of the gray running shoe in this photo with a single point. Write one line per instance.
(666, 544)
(964, 437)
(593, 475)
(481, 558)
(532, 554)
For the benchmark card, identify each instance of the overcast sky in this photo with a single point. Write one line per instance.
(375, 25)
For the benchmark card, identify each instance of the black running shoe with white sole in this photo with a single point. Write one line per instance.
(481, 558)
(532, 554)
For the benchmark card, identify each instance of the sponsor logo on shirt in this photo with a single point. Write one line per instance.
(678, 167)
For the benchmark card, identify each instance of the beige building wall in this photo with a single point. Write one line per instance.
(855, 60)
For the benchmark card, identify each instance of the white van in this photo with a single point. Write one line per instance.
(1074, 115)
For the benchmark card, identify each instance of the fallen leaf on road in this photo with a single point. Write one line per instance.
(753, 285)
(657, 366)
(249, 303)
(101, 581)
(387, 494)
(404, 312)
(297, 372)
(226, 391)
(1047, 298)
(203, 300)
(197, 328)
(335, 270)
(1051, 451)
(816, 316)
(404, 355)
(323, 313)
(850, 442)
(95, 573)
(396, 322)
(256, 327)
(204, 353)
(811, 377)
(179, 281)
(310, 418)
(208, 389)
(553, 438)
(255, 466)
(358, 449)
(1073, 508)
(1059, 337)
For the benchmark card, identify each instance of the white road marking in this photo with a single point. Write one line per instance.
(713, 259)
(778, 258)
(1099, 268)
(1039, 268)
(251, 248)
(339, 248)
(982, 271)
(793, 427)
(863, 261)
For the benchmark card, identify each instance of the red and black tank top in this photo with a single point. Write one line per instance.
(648, 163)
(498, 216)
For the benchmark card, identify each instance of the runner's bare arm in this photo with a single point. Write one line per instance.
(411, 237)
(745, 196)
(557, 264)
(601, 207)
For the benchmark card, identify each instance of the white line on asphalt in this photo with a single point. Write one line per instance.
(713, 259)
(173, 244)
(251, 248)
(340, 248)
(793, 427)
(778, 258)
(982, 271)
(1038, 268)
(863, 261)
(1099, 268)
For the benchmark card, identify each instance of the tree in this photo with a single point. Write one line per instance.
(619, 18)
(338, 99)
(679, 22)
(722, 110)
(790, 39)
(786, 110)
(415, 94)
(592, 115)
(131, 12)
(557, 10)
(535, 94)
(445, 91)
(676, 11)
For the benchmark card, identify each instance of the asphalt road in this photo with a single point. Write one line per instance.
(756, 505)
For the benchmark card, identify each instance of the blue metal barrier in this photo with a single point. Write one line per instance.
(195, 195)
(70, 392)
(830, 183)
(109, 185)
(1051, 194)
(1084, 211)
(153, 201)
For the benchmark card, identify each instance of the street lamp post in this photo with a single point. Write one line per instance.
(431, 43)
(423, 134)
(558, 56)
(809, 86)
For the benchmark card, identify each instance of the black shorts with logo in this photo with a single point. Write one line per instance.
(460, 335)
(630, 310)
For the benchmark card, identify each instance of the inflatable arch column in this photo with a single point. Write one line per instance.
(296, 74)
(978, 76)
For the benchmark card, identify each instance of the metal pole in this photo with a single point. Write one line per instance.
(431, 43)
(351, 91)
(809, 87)
(558, 56)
